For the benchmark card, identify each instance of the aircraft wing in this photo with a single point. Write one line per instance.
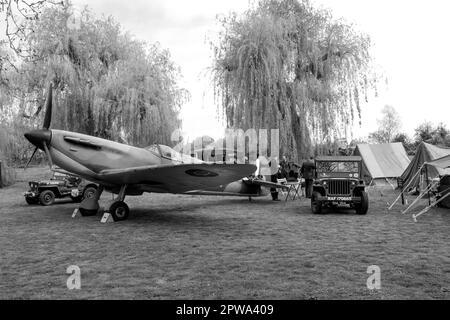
(179, 178)
(267, 184)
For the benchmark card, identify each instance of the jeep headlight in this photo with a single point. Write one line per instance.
(356, 175)
(324, 182)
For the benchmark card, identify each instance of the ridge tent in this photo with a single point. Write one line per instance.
(7, 175)
(382, 162)
(425, 153)
(441, 182)
(442, 165)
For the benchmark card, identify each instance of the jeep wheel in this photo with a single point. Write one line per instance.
(89, 193)
(47, 198)
(31, 201)
(363, 207)
(316, 205)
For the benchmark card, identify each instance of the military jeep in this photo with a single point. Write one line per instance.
(338, 182)
(60, 185)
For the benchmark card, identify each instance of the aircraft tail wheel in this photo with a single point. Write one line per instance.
(119, 211)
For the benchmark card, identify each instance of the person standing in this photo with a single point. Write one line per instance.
(274, 167)
(283, 173)
(307, 172)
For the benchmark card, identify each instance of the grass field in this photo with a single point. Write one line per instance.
(220, 247)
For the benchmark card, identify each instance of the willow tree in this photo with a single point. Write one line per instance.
(16, 14)
(106, 83)
(286, 65)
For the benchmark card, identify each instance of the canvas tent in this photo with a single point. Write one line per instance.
(7, 175)
(442, 165)
(441, 182)
(382, 162)
(425, 153)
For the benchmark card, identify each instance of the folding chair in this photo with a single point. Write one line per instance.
(295, 187)
(282, 190)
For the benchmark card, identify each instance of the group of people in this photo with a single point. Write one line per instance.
(292, 171)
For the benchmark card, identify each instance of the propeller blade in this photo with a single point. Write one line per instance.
(32, 156)
(47, 152)
(48, 107)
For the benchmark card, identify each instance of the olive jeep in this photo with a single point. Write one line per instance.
(60, 185)
(338, 182)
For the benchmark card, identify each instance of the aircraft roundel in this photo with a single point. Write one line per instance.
(201, 173)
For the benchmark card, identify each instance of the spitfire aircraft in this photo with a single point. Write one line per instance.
(126, 170)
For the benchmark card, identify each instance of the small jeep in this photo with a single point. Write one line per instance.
(338, 182)
(60, 185)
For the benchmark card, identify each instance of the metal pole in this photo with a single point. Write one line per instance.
(403, 196)
(426, 177)
(429, 207)
(405, 188)
(418, 198)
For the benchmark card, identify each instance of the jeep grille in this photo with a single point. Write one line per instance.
(338, 187)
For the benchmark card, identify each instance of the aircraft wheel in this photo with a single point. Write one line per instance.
(119, 211)
(47, 198)
(89, 193)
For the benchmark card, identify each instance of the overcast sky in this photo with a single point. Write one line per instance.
(410, 42)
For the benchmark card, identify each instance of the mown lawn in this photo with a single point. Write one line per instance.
(220, 247)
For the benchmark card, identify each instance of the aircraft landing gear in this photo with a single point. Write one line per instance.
(118, 209)
(89, 206)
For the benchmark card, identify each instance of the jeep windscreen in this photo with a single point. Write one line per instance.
(337, 168)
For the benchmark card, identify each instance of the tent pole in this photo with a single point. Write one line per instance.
(419, 197)
(402, 194)
(392, 186)
(405, 188)
(429, 207)
(426, 177)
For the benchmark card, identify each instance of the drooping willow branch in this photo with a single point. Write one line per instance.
(17, 14)
(285, 64)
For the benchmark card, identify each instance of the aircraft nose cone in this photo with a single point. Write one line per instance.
(38, 137)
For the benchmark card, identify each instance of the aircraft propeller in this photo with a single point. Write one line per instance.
(42, 137)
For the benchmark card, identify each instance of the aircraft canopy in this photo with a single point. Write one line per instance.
(170, 154)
